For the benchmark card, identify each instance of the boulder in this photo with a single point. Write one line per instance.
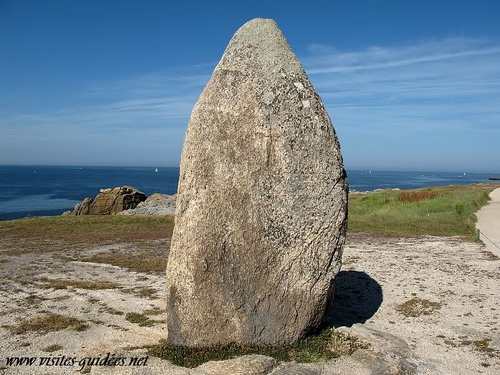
(262, 202)
(155, 205)
(109, 201)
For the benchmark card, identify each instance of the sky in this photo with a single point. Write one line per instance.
(409, 85)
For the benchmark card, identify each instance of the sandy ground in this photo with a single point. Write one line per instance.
(488, 223)
(426, 305)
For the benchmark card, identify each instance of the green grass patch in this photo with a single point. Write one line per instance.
(327, 345)
(443, 211)
(440, 211)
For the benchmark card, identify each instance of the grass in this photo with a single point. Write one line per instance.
(440, 211)
(143, 320)
(110, 310)
(79, 284)
(443, 211)
(416, 196)
(154, 311)
(45, 233)
(145, 292)
(481, 345)
(48, 323)
(417, 306)
(136, 263)
(52, 348)
(327, 345)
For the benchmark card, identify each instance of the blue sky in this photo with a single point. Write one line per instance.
(409, 85)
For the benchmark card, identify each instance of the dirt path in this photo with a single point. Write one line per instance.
(425, 305)
(488, 223)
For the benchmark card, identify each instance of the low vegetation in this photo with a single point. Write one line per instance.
(52, 348)
(327, 345)
(87, 230)
(48, 323)
(417, 196)
(110, 310)
(484, 347)
(79, 284)
(147, 263)
(443, 211)
(440, 211)
(143, 292)
(143, 320)
(480, 345)
(417, 306)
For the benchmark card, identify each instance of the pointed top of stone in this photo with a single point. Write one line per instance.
(260, 44)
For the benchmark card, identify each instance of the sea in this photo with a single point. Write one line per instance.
(47, 190)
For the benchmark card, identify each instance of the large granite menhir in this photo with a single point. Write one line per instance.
(262, 202)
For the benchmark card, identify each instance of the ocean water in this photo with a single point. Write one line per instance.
(40, 191)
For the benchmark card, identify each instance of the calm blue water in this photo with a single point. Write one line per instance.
(38, 191)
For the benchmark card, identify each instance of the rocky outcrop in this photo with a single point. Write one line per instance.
(262, 202)
(155, 205)
(109, 201)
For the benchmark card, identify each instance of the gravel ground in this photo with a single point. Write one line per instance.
(426, 305)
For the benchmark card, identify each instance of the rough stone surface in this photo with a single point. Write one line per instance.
(155, 205)
(109, 201)
(244, 365)
(261, 205)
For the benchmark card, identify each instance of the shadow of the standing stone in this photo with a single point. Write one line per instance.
(356, 299)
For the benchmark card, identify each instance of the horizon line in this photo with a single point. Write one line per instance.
(353, 168)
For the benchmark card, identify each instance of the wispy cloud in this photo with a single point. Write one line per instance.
(428, 100)
(415, 93)
(145, 101)
(450, 78)
(327, 60)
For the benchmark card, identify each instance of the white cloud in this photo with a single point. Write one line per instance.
(446, 89)
(426, 83)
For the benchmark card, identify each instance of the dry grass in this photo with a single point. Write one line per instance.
(110, 310)
(145, 292)
(78, 284)
(48, 323)
(154, 311)
(33, 299)
(417, 196)
(49, 234)
(137, 263)
(52, 348)
(483, 346)
(142, 320)
(417, 306)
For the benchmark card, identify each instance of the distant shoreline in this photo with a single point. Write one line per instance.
(56, 212)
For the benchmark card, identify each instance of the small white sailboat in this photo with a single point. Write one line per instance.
(156, 170)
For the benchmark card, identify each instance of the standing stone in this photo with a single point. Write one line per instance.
(262, 202)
